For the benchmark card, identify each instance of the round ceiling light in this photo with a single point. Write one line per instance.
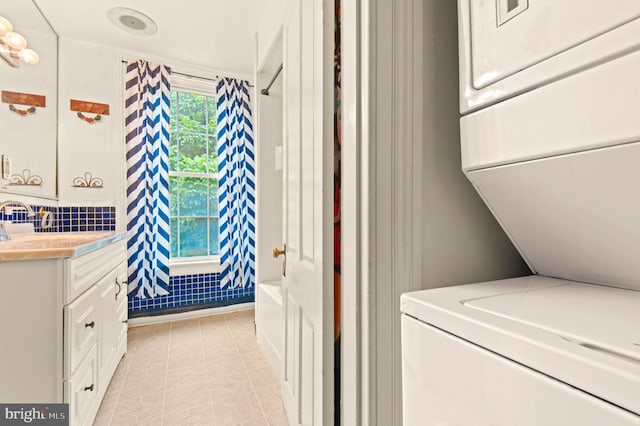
(132, 21)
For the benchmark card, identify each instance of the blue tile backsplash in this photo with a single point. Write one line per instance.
(190, 292)
(187, 292)
(69, 219)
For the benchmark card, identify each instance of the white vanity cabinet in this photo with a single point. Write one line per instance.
(63, 329)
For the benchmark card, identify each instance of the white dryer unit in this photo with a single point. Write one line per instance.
(557, 161)
(512, 46)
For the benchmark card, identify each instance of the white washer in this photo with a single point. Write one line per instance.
(526, 351)
(557, 162)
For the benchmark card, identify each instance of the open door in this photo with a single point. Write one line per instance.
(307, 380)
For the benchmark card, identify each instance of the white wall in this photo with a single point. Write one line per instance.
(92, 73)
(269, 29)
(269, 181)
(429, 227)
(457, 227)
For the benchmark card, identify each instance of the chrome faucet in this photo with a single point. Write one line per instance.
(27, 207)
(4, 235)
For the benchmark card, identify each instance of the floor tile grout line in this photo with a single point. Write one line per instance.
(264, 414)
(166, 373)
(124, 382)
(205, 361)
(246, 369)
(235, 326)
(115, 403)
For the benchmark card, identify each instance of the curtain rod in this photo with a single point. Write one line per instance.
(217, 77)
(265, 91)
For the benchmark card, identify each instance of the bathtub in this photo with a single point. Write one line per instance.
(270, 323)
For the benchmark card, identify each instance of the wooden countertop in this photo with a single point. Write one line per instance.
(42, 245)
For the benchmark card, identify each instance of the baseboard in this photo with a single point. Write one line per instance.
(271, 353)
(156, 319)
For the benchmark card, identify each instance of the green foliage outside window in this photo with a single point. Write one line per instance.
(193, 165)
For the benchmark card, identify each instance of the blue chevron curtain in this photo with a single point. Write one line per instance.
(236, 175)
(147, 144)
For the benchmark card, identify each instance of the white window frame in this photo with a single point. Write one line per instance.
(195, 264)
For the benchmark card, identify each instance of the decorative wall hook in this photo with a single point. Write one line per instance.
(25, 179)
(17, 98)
(84, 107)
(22, 111)
(93, 119)
(87, 181)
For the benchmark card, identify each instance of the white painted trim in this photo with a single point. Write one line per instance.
(367, 380)
(199, 265)
(391, 197)
(193, 84)
(158, 319)
(351, 373)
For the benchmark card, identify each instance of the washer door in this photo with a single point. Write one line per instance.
(508, 36)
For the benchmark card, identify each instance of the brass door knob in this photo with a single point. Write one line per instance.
(277, 252)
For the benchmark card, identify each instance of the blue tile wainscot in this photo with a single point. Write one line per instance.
(187, 292)
(190, 292)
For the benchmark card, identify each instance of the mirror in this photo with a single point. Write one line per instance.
(28, 107)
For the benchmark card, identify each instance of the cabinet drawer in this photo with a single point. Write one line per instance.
(84, 271)
(81, 390)
(80, 328)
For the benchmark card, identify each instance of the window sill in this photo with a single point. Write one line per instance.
(195, 265)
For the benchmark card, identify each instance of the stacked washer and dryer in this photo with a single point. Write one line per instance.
(550, 129)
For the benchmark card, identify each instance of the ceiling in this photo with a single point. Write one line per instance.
(216, 34)
(23, 16)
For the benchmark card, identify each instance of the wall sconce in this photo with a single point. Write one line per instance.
(13, 46)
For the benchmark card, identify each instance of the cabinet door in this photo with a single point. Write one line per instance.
(81, 391)
(112, 307)
(81, 324)
(109, 328)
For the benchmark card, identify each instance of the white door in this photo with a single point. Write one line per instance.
(307, 210)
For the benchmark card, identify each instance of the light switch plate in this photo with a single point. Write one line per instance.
(6, 167)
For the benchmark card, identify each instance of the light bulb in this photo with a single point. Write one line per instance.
(15, 41)
(5, 26)
(29, 56)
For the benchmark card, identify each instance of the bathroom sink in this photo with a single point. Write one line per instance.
(19, 228)
(72, 237)
(38, 245)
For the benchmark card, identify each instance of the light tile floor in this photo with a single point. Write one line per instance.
(205, 371)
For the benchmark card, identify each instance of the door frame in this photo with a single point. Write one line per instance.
(355, 382)
(381, 151)
(328, 166)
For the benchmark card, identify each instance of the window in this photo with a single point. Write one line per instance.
(193, 181)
